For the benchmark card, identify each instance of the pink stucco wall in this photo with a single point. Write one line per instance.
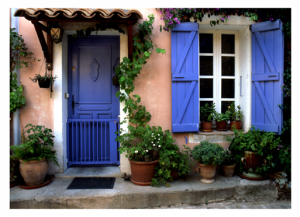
(153, 84)
(39, 106)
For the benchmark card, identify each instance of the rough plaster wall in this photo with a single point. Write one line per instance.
(39, 106)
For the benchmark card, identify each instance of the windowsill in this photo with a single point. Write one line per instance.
(216, 132)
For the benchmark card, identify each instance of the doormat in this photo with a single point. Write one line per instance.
(92, 183)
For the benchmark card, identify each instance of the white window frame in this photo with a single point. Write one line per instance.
(217, 55)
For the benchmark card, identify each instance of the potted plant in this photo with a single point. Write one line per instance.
(44, 81)
(14, 163)
(206, 115)
(34, 154)
(253, 152)
(236, 116)
(221, 120)
(173, 162)
(228, 165)
(208, 156)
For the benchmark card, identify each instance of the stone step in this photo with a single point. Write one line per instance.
(126, 195)
(110, 171)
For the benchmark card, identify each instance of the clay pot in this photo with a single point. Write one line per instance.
(34, 172)
(142, 172)
(221, 125)
(207, 172)
(237, 124)
(44, 83)
(206, 125)
(251, 161)
(228, 171)
(174, 174)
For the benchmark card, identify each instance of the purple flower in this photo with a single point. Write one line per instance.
(222, 18)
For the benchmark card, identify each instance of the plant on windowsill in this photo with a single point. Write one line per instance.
(34, 154)
(221, 120)
(206, 115)
(43, 81)
(228, 165)
(254, 152)
(208, 156)
(236, 116)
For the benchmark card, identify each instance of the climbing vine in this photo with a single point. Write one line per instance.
(19, 58)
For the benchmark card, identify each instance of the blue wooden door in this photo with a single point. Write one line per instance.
(185, 76)
(267, 75)
(93, 106)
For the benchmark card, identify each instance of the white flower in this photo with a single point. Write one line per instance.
(152, 141)
(152, 133)
(159, 146)
(146, 150)
(158, 138)
(153, 144)
(136, 151)
(158, 134)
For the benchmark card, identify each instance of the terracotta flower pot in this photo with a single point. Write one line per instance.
(207, 172)
(142, 172)
(221, 125)
(237, 124)
(228, 171)
(251, 161)
(33, 172)
(174, 174)
(206, 125)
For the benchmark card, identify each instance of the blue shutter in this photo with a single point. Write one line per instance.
(267, 75)
(185, 90)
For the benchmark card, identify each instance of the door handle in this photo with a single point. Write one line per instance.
(73, 104)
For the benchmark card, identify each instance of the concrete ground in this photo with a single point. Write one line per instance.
(285, 204)
(126, 195)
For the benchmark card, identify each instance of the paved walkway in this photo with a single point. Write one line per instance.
(285, 204)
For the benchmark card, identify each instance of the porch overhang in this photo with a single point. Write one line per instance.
(50, 15)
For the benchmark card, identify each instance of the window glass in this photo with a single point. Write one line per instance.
(206, 65)
(206, 43)
(224, 106)
(227, 89)
(228, 66)
(206, 88)
(227, 44)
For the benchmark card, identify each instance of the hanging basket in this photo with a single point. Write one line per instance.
(44, 83)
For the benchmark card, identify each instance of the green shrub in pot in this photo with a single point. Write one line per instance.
(221, 116)
(209, 154)
(207, 112)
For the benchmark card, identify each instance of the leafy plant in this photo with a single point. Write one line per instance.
(235, 114)
(207, 112)
(14, 163)
(261, 142)
(208, 153)
(228, 158)
(45, 77)
(19, 58)
(221, 116)
(36, 145)
(172, 158)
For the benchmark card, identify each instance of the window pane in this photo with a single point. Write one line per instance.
(202, 103)
(228, 66)
(227, 88)
(228, 44)
(206, 65)
(206, 43)
(224, 106)
(206, 88)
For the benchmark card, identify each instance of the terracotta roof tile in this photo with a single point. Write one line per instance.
(83, 13)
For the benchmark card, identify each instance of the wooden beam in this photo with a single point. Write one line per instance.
(40, 35)
(130, 41)
(50, 49)
(44, 28)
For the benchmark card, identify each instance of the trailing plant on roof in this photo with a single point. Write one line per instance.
(20, 57)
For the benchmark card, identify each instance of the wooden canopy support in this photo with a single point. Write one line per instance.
(46, 47)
